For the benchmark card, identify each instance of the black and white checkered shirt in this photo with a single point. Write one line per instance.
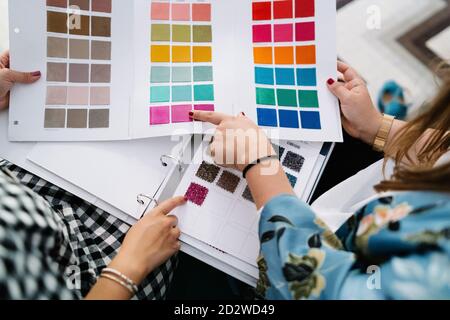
(54, 245)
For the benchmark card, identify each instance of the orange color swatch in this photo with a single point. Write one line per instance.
(160, 53)
(284, 55)
(202, 54)
(306, 55)
(263, 55)
(181, 54)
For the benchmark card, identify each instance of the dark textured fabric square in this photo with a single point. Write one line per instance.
(229, 181)
(294, 161)
(247, 195)
(292, 180)
(208, 172)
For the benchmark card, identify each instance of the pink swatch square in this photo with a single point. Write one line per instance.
(181, 11)
(181, 113)
(201, 12)
(305, 31)
(284, 32)
(262, 33)
(204, 107)
(160, 11)
(159, 115)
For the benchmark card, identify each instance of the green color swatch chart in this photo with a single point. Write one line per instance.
(284, 51)
(181, 75)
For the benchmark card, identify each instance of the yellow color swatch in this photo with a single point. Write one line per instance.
(202, 54)
(284, 55)
(181, 54)
(160, 54)
(263, 55)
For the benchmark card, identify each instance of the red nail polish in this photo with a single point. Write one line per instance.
(243, 113)
(186, 199)
(36, 74)
(330, 81)
(191, 114)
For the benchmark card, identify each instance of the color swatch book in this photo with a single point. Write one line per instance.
(118, 70)
(221, 213)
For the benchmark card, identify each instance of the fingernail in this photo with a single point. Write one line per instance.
(330, 81)
(36, 74)
(191, 114)
(186, 199)
(243, 113)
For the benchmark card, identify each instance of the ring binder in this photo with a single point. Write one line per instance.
(177, 160)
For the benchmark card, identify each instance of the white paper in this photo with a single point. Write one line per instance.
(233, 72)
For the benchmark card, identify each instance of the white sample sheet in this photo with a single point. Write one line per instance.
(221, 212)
(135, 69)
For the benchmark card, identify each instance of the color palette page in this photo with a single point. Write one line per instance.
(177, 53)
(220, 210)
(288, 52)
(79, 46)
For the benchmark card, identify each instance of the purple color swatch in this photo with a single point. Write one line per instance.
(196, 194)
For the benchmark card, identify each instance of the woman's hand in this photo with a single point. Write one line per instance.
(150, 242)
(360, 118)
(238, 141)
(9, 77)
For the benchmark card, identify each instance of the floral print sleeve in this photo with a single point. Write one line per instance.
(396, 247)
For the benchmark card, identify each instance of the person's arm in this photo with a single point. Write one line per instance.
(360, 118)
(239, 142)
(148, 244)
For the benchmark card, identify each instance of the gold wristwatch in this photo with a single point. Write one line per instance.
(383, 133)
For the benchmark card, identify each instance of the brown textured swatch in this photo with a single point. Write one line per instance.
(56, 47)
(102, 6)
(101, 50)
(56, 72)
(55, 118)
(99, 118)
(57, 3)
(79, 49)
(229, 181)
(56, 22)
(208, 172)
(100, 73)
(79, 25)
(78, 73)
(82, 4)
(77, 118)
(101, 26)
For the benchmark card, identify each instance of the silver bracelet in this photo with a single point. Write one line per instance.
(124, 280)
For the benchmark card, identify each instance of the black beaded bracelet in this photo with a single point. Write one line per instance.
(251, 165)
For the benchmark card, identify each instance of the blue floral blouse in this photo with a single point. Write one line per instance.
(395, 247)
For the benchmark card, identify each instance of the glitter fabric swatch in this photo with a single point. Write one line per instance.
(247, 195)
(229, 181)
(292, 180)
(196, 194)
(293, 161)
(208, 172)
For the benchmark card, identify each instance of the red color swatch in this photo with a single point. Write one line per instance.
(262, 33)
(283, 9)
(196, 194)
(262, 11)
(304, 8)
(305, 31)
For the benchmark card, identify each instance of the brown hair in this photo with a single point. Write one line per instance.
(421, 173)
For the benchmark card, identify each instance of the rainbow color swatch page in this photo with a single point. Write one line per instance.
(118, 70)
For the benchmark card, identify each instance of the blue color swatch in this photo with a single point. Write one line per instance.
(307, 77)
(267, 117)
(292, 180)
(289, 119)
(264, 76)
(285, 76)
(310, 120)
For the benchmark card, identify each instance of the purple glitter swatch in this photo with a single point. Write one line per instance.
(196, 194)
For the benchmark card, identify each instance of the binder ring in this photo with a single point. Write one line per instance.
(143, 196)
(177, 160)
